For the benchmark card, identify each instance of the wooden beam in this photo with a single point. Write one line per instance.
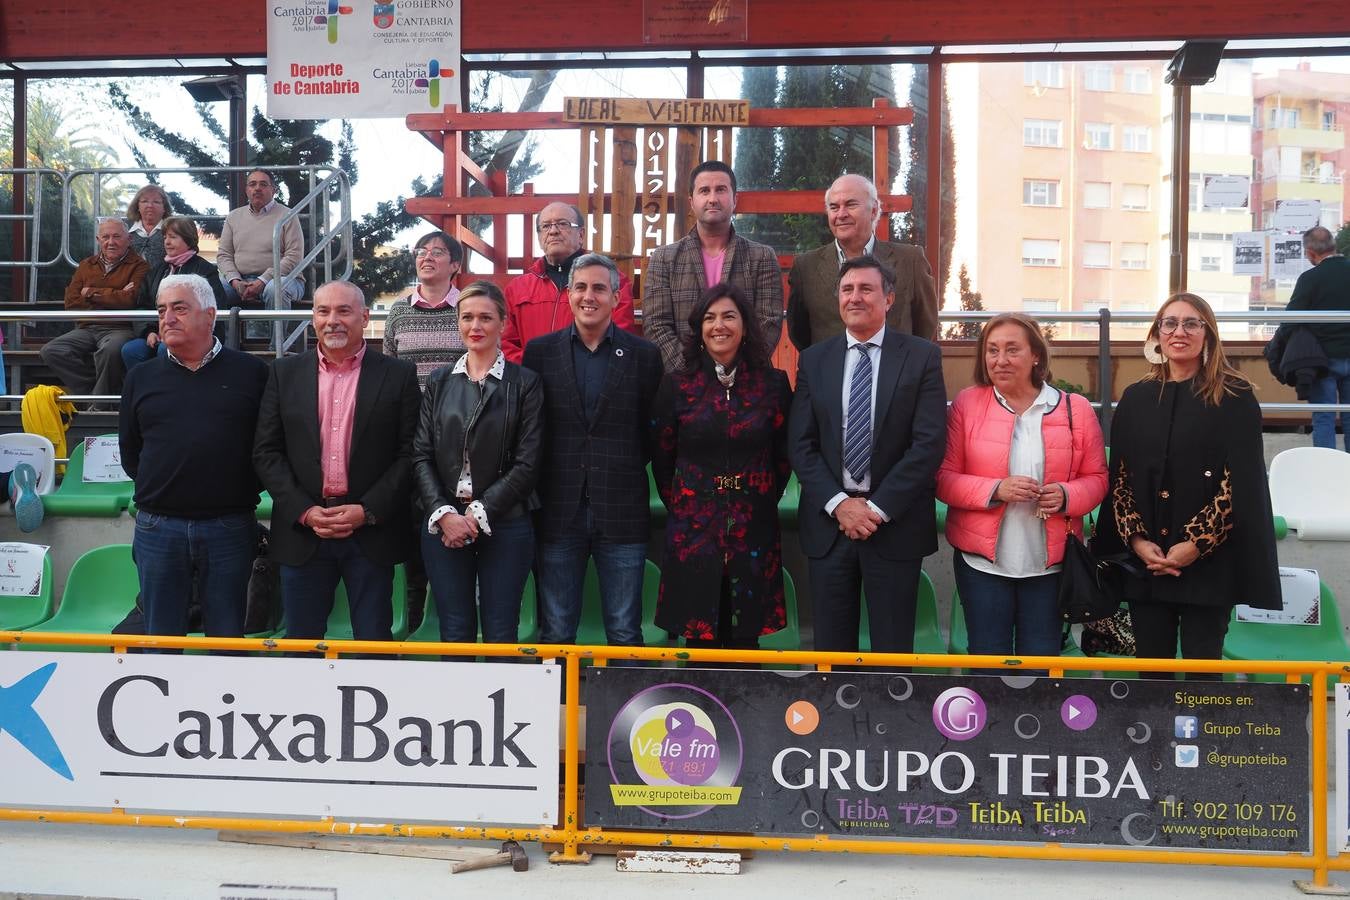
(521, 204)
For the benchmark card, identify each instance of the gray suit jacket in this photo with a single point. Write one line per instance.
(813, 294)
(674, 279)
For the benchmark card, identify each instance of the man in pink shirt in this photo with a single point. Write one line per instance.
(336, 458)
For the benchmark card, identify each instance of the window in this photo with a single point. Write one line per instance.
(1039, 305)
(1043, 74)
(1096, 136)
(1210, 263)
(1097, 195)
(1329, 120)
(1096, 254)
(1135, 139)
(1041, 132)
(1134, 196)
(1040, 193)
(1097, 77)
(1133, 256)
(1138, 81)
(1040, 253)
(1282, 118)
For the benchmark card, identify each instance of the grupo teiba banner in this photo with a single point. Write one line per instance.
(1125, 762)
(360, 738)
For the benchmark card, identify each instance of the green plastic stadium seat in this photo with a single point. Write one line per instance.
(18, 613)
(430, 629)
(100, 590)
(789, 637)
(654, 504)
(941, 517)
(75, 497)
(592, 629)
(790, 502)
(1323, 642)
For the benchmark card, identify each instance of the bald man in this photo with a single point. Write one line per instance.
(853, 209)
(334, 449)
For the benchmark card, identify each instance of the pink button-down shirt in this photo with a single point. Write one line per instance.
(337, 410)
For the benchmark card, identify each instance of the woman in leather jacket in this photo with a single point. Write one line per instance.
(475, 463)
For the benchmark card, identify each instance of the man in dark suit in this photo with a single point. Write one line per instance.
(678, 274)
(853, 210)
(1326, 286)
(599, 385)
(867, 433)
(333, 447)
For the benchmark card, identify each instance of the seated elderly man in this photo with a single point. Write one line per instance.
(88, 358)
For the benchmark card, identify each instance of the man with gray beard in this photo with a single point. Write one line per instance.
(333, 447)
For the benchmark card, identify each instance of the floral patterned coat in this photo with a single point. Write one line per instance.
(721, 465)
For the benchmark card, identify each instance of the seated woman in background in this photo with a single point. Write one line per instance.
(1189, 495)
(721, 464)
(423, 327)
(1019, 473)
(180, 258)
(475, 463)
(146, 212)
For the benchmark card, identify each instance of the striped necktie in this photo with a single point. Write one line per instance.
(858, 432)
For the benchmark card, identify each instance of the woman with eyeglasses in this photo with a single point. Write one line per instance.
(1188, 492)
(423, 327)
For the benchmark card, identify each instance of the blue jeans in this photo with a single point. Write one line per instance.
(257, 328)
(137, 351)
(1327, 390)
(217, 554)
(1010, 616)
(561, 572)
(494, 568)
(308, 592)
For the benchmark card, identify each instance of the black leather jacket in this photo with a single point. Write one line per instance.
(503, 424)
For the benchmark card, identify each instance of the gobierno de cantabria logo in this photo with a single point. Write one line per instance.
(675, 752)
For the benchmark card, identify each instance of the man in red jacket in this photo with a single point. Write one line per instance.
(536, 301)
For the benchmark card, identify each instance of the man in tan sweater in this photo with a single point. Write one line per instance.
(88, 358)
(245, 253)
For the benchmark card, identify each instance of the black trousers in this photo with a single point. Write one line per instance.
(891, 587)
(1201, 629)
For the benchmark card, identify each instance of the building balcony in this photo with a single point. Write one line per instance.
(1307, 187)
(1328, 138)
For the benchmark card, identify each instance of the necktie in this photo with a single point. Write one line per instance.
(858, 432)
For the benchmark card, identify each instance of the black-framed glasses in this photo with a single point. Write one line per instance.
(1188, 326)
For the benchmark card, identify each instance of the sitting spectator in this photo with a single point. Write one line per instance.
(88, 358)
(423, 327)
(147, 212)
(244, 256)
(179, 257)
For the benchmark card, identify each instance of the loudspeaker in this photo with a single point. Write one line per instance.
(1195, 63)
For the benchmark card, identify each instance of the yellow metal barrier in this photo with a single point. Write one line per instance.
(574, 839)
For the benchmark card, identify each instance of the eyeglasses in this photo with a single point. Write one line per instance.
(1189, 326)
(556, 226)
(434, 253)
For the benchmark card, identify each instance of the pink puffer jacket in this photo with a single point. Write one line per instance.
(979, 437)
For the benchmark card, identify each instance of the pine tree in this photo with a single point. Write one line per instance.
(971, 301)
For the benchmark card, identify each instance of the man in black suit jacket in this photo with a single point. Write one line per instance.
(336, 458)
(599, 385)
(867, 433)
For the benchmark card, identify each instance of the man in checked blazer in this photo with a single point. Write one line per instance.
(867, 433)
(677, 274)
(599, 385)
(853, 210)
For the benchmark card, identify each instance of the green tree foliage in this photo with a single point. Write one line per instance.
(971, 301)
(914, 229)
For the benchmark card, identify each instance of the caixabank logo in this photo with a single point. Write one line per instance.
(674, 751)
(19, 719)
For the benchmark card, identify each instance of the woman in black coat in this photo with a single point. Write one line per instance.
(475, 460)
(1188, 492)
(721, 465)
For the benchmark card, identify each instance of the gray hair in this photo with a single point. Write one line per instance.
(1319, 240)
(199, 286)
(351, 288)
(871, 193)
(587, 260)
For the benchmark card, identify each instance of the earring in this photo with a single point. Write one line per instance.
(1152, 352)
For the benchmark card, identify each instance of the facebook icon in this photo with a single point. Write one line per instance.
(1187, 726)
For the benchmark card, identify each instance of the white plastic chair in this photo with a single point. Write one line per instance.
(34, 449)
(1310, 488)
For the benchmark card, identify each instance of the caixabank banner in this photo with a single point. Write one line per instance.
(349, 738)
(1133, 763)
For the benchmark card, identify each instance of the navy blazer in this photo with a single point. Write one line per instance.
(909, 438)
(606, 459)
(379, 468)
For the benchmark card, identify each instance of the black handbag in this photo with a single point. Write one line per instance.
(1091, 587)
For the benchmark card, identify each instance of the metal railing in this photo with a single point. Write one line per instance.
(33, 219)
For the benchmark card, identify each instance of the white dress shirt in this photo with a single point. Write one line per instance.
(851, 360)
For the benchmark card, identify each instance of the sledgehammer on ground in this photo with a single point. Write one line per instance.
(511, 853)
